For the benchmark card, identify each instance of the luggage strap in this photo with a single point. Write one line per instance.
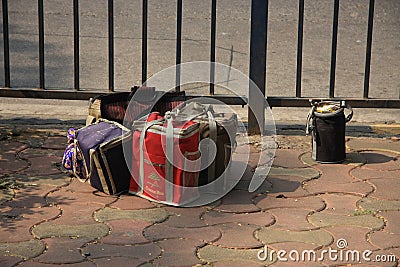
(194, 110)
(169, 166)
(211, 172)
(142, 136)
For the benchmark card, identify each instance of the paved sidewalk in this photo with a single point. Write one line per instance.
(337, 210)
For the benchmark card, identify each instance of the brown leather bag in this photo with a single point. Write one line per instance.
(115, 106)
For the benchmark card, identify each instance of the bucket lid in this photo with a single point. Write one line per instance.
(327, 109)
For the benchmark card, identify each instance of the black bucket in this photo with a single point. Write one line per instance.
(327, 124)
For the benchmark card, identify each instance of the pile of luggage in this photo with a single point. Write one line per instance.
(151, 144)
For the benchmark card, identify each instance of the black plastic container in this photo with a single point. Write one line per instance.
(328, 129)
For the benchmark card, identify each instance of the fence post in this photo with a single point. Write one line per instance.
(6, 45)
(111, 45)
(76, 44)
(369, 48)
(258, 53)
(144, 40)
(41, 45)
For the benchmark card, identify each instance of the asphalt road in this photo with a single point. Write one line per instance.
(233, 33)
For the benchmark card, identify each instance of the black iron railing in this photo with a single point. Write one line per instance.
(257, 70)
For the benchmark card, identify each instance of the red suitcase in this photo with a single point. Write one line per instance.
(165, 159)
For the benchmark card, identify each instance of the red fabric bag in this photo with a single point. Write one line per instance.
(165, 159)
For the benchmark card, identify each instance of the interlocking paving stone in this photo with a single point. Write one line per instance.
(236, 263)
(89, 231)
(340, 203)
(126, 232)
(62, 250)
(78, 187)
(7, 261)
(366, 174)
(354, 159)
(306, 173)
(31, 153)
(303, 264)
(237, 201)
(185, 217)
(237, 235)
(118, 261)
(55, 142)
(10, 164)
(42, 166)
(30, 196)
(244, 147)
(6, 195)
(386, 188)
(11, 147)
(144, 252)
(359, 188)
(296, 142)
(392, 219)
(384, 161)
(292, 219)
(100, 198)
(130, 202)
(178, 252)
(356, 237)
(372, 204)
(369, 221)
(255, 218)
(32, 137)
(25, 249)
(311, 203)
(54, 180)
(296, 253)
(16, 222)
(337, 173)
(306, 159)
(161, 231)
(243, 185)
(33, 263)
(317, 237)
(68, 196)
(286, 186)
(363, 143)
(384, 239)
(392, 252)
(213, 254)
(355, 258)
(149, 215)
(77, 214)
(257, 159)
(288, 158)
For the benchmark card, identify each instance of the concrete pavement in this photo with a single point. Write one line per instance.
(304, 209)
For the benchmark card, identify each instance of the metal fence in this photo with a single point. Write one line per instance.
(257, 70)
